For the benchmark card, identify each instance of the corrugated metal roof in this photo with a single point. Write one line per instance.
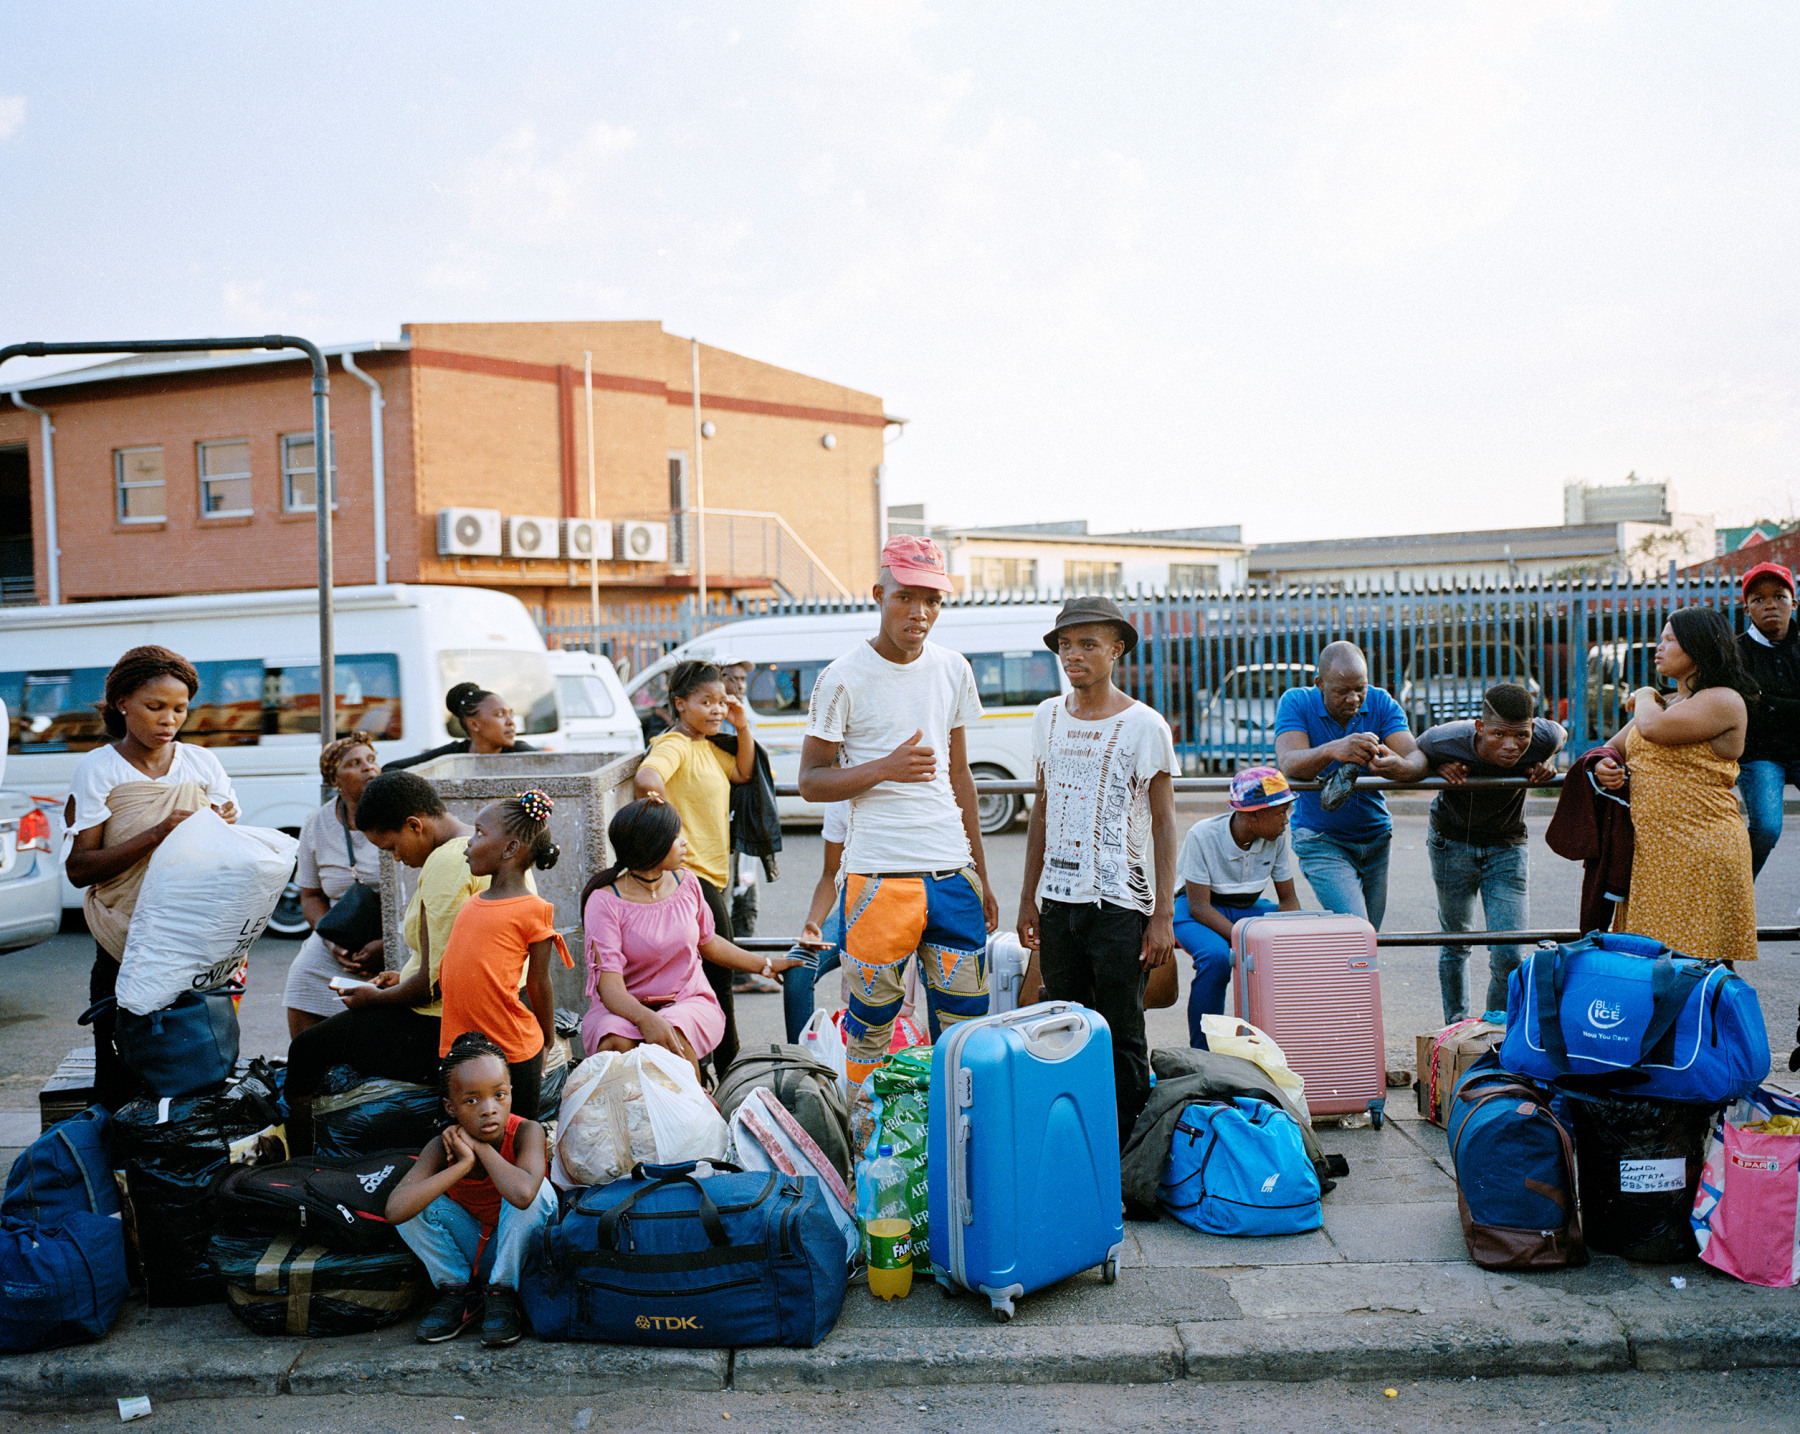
(135, 366)
(1414, 549)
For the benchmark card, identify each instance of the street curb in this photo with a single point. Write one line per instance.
(1670, 1339)
(865, 1358)
(529, 1368)
(1300, 1350)
(94, 1376)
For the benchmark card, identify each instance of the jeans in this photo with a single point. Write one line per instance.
(1212, 959)
(1762, 784)
(719, 978)
(1093, 953)
(447, 1238)
(1497, 873)
(797, 982)
(1348, 877)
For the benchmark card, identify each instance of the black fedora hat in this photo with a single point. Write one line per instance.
(1079, 610)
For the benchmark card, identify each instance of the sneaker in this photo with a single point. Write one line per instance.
(753, 983)
(500, 1324)
(454, 1312)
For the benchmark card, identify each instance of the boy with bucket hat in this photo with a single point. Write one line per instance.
(884, 734)
(1226, 864)
(1099, 919)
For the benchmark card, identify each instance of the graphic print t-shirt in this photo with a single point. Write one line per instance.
(1097, 802)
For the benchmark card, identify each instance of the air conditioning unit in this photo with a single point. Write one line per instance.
(469, 532)
(641, 542)
(530, 537)
(584, 538)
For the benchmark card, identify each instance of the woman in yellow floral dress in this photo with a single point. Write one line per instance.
(1690, 877)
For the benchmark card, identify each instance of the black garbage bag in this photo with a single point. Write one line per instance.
(370, 1115)
(174, 1152)
(285, 1284)
(1638, 1163)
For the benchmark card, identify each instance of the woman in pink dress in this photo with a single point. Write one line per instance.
(648, 928)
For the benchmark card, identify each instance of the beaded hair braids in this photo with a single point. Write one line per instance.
(469, 1046)
(526, 818)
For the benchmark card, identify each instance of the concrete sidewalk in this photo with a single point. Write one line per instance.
(1385, 1291)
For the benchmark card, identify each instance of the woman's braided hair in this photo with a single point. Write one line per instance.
(526, 818)
(469, 1046)
(132, 671)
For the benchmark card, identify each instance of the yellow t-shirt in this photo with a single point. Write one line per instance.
(445, 883)
(697, 776)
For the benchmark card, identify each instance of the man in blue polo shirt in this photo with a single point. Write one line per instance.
(1342, 721)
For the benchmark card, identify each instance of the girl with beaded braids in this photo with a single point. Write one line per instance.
(501, 940)
(487, 719)
(125, 797)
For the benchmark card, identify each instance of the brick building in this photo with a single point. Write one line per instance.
(193, 473)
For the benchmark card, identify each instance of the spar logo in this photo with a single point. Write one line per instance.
(1768, 1164)
(1603, 1014)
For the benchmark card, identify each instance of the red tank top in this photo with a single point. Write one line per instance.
(476, 1192)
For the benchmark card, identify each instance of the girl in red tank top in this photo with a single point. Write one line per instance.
(474, 1197)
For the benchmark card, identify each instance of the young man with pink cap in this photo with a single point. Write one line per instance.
(885, 733)
(1226, 863)
(1770, 646)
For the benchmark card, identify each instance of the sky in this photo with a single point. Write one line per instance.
(1318, 269)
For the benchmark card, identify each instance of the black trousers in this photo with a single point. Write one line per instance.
(114, 1084)
(389, 1042)
(719, 978)
(1092, 954)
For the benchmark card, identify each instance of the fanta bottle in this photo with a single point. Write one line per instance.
(886, 1225)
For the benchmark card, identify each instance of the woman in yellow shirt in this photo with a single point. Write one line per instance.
(695, 776)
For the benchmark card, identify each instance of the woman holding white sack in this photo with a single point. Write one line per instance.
(125, 798)
(334, 855)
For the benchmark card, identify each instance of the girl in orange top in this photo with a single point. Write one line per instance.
(502, 938)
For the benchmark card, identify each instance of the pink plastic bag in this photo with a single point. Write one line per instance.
(1747, 1208)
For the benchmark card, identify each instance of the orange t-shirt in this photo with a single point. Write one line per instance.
(483, 966)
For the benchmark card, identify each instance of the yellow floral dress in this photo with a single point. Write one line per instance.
(1690, 872)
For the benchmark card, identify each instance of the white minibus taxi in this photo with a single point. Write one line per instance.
(596, 714)
(1004, 643)
(399, 649)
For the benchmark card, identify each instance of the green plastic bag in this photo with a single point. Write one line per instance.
(894, 1108)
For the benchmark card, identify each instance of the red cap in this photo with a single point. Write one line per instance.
(915, 562)
(1769, 570)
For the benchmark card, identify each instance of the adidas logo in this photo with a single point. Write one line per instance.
(372, 1181)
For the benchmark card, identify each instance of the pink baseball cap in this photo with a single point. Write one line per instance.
(915, 562)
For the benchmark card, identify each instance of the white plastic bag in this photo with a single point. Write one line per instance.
(622, 1108)
(1231, 1037)
(822, 1038)
(208, 893)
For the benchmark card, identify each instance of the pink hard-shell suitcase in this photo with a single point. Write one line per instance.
(1310, 979)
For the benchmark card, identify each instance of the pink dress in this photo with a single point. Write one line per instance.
(655, 946)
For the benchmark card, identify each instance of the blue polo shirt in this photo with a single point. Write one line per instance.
(1365, 816)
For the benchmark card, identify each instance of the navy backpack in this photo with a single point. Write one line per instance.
(64, 1170)
(60, 1283)
(1515, 1172)
(1623, 1013)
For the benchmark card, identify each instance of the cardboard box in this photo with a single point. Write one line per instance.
(1453, 1049)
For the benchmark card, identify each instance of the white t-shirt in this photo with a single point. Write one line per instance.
(1096, 778)
(869, 706)
(1210, 856)
(837, 822)
(324, 859)
(102, 769)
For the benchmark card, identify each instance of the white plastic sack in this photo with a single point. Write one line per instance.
(1231, 1037)
(208, 892)
(822, 1038)
(620, 1109)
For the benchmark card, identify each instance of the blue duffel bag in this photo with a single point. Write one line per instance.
(669, 1256)
(1616, 1012)
(60, 1283)
(1515, 1172)
(1240, 1167)
(63, 1170)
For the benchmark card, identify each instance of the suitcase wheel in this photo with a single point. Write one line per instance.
(1109, 1272)
(1377, 1113)
(1003, 1313)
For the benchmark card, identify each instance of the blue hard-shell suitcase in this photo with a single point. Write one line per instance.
(1024, 1152)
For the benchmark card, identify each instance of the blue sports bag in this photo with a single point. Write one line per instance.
(1618, 1012)
(60, 1283)
(1240, 1167)
(673, 1257)
(63, 1170)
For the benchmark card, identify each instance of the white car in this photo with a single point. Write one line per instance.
(30, 879)
(597, 716)
(1238, 727)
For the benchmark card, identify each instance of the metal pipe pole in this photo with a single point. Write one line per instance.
(699, 484)
(52, 534)
(587, 383)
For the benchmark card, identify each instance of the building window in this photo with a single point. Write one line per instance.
(678, 509)
(225, 479)
(1093, 577)
(1001, 574)
(138, 476)
(1193, 577)
(297, 472)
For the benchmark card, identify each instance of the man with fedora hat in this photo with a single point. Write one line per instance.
(1097, 916)
(1770, 646)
